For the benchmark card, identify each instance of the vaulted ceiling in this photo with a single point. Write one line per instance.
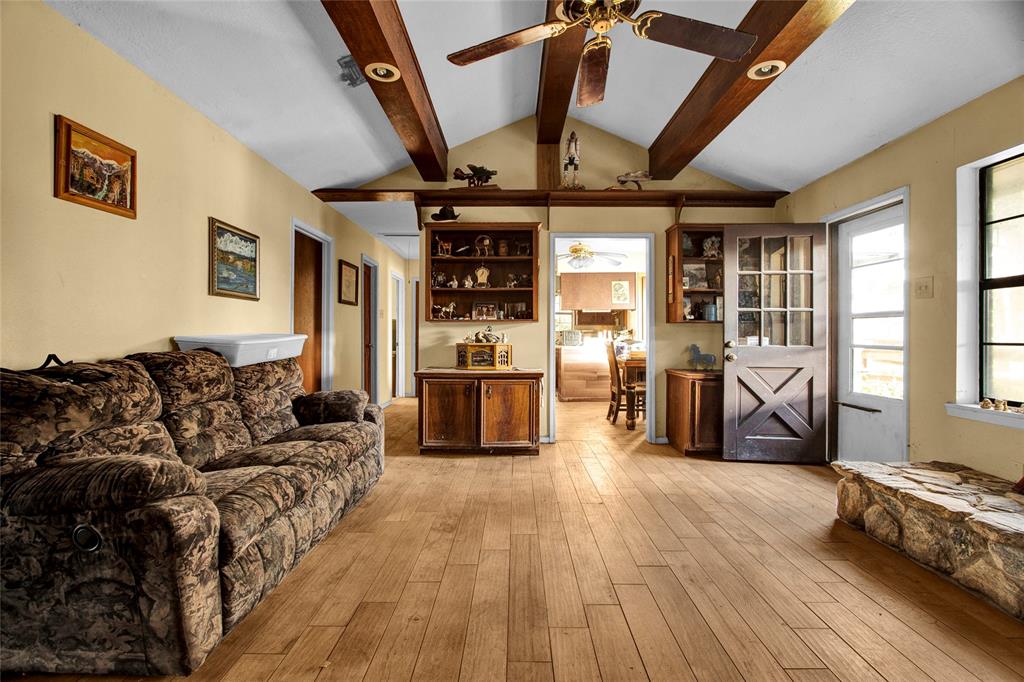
(267, 73)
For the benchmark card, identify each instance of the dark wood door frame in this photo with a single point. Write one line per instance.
(369, 348)
(327, 306)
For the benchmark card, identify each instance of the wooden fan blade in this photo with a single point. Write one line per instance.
(690, 34)
(593, 71)
(507, 42)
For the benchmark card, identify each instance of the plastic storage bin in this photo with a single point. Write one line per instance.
(246, 349)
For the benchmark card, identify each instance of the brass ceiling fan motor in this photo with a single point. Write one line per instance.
(601, 16)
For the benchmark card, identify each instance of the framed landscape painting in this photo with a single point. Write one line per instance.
(93, 170)
(234, 261)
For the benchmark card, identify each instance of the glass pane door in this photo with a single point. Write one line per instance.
(775, 291)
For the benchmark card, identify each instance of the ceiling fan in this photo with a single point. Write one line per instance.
(580, 256)
(600, 16)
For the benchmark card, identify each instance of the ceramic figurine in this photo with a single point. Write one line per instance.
(446, 312)
(502, 247)
(713, 247)
(687, 245)
(478, 176)
(482, 273)
(700, 360)
(483, 246)
(443, 248)
(1001, 406)
(454, 284)
(522, 248)
(510, 281)
(636, 177)
(571, 162)
(986, 404)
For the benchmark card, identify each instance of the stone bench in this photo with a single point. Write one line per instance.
(956, 520)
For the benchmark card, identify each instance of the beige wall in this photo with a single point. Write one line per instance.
(511, 151)
(926, 160)
(87, 284)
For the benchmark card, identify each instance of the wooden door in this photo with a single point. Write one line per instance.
(775, 375)
(369, 340)
(308, 307)
(508, 413)
(448, 412)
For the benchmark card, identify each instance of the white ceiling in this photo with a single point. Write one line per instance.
(266, 72)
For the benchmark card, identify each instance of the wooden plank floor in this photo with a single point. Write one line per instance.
(607, 558)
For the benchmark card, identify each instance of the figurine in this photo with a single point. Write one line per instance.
(502, 247)
(986, 404)
(445, 312)
(716, 280)
(687, 245)
(636, 177)
(510, 281)
(522, 248)
(571, 160)
(467, 282)
(1001, 406)
(454, 284)
(713, 247)
(443, 248)
(438, 280)
(447, 214)
(478, 176)
(483, 246)
(700, 360)
(486, 335)
(504, 337)
(482, 273)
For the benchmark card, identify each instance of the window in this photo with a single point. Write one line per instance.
(1001, 281)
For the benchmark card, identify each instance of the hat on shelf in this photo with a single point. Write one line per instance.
(447, 214)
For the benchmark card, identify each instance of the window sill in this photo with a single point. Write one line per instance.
(1012, 419)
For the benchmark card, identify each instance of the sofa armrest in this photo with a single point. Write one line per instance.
(327, 407)
(374, 413)
(98, 484)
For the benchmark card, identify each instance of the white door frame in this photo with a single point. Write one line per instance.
(326, 299)
(413, 314)
(899, 196)
(651, 410)
(372, 298)
(398, 281)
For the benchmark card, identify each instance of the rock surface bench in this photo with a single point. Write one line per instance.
(956, 520)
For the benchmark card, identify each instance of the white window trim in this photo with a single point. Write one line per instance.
(967, 320)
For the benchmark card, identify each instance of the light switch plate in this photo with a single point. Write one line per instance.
(924, 287)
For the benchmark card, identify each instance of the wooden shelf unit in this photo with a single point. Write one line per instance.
(460, 265)
(677, 254)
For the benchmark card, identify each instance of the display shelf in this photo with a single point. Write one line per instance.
(683, 242)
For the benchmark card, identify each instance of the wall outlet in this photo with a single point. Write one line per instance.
(924, 287)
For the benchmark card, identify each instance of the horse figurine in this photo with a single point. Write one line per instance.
(446, 312)
(701, 360)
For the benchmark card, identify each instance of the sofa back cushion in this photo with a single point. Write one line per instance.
(264, 392)
(197, 388)
(81, 409)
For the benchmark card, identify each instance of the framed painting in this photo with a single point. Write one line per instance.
(234, 261)
(348, 283)
(93, 170)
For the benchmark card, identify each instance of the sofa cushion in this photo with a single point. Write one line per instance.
(255, 502)
(325, 407)
(264, 391)
(322, 460)
(80, 409)
(315, 432)
(197, 389)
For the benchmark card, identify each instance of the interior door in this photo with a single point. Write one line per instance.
(870, 354)
(369, 331)
(307, 307)
(448, 415)
(507, 415)
(775, 370)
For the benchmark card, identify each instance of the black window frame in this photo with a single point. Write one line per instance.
(986, 283)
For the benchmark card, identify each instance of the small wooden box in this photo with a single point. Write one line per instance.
(483, 355)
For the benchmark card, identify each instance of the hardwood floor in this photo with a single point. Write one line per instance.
(607, 558)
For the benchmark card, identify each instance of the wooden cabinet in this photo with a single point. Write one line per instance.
(694, 411)
(499, 262)
(479, 411)
(694, 269)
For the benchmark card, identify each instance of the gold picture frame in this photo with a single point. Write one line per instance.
(348, 282)
(93, 170)
(234, 261)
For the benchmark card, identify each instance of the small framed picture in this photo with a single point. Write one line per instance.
(695, 276)
(348, 283)
(234, 261)
(485, 311)
(93, 170)
(620, 292)
(563, 321)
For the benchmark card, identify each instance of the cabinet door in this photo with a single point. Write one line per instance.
(448, 413)
(707, 415)
(508, 413)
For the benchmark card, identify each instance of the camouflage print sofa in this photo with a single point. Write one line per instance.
(148, 504)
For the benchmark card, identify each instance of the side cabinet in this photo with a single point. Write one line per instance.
(694, 411)
(478, 411)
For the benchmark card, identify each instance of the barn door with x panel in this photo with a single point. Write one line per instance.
(775, 331)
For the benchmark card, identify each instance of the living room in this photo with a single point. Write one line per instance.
(371, 505)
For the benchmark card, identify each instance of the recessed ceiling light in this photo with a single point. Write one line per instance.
(766, 70)
(385, 73)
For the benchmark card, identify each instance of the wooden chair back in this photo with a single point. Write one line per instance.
(613, 368)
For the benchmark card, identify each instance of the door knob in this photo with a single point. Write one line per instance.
(730, 357)
(730, 344)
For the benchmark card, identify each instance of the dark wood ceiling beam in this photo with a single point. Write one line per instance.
(784, 29)
(373, 31)
(558, 65)
(708, 198)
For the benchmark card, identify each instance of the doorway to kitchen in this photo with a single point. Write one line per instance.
(601, 352)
